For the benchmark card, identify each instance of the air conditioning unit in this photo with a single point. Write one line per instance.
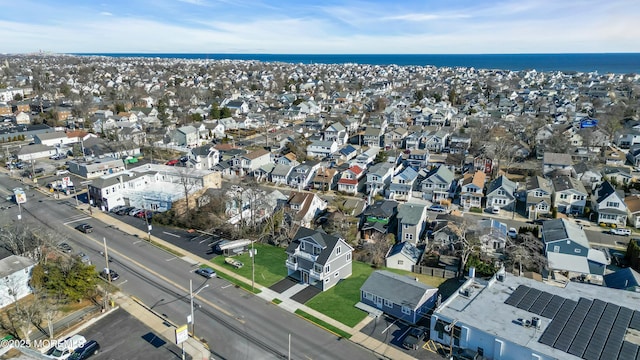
(535, 322)
(500, 277)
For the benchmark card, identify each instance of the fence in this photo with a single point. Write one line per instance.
(435, 272)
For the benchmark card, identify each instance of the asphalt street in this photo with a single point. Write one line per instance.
(235, 324)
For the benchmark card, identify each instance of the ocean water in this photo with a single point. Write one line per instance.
(603, 63)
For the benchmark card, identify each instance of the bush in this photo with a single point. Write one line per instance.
(476, 209)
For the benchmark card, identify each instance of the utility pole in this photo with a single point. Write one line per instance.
(192, 295)
(106, 261)
(252, 253)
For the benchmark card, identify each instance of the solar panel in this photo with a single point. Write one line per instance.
(628, 351)
(528, 300)
(573, 324)
(552, 308)
(541, 303)
(517, 295)
(600, 335)
(554, 329)
(579, 344)
(624, 318)
(635, 320)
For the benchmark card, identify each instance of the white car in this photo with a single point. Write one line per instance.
(512, 233)
(623, 232)
(495, 210)
(65, 347)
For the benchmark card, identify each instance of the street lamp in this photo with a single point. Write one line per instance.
(192, 295)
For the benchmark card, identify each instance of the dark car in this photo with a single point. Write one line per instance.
(105, 275)
(206, 272)
(64, 247)
(85, 228)
(125, 211)
(85, 351)
(414, 337)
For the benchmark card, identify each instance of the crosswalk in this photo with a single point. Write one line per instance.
(75, 218)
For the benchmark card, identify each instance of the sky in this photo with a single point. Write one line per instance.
(320, 27)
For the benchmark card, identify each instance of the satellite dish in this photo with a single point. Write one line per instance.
(447, 328)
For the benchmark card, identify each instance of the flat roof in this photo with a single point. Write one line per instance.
(472, 310)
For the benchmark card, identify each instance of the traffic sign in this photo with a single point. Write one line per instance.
(182, 334)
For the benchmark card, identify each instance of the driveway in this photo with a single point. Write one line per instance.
(306, 294)
(283, 285)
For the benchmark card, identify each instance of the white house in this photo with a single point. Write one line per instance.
(321, 149)
(610, 205)
(15, 273)
(569, 195)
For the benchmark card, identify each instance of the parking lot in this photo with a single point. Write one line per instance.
(391, 332)
(121, 336)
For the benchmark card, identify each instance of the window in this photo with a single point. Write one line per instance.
(388, 303)
(563, 196)
(338, 250)
(336, 274)
(408, 236)
(317, 268)
(556, 248)
(301, 245)
(406, 310)
(327, 269)
(400, 262)
(612, 204)
(348, 256)
(500, 192)
(577, 251)
(327, 280)
(367, 295)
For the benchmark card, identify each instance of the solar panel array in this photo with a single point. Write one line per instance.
(589, 329)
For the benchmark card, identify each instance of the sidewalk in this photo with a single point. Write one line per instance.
(357, 337)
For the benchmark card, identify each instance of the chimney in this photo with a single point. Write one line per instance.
(472, 272)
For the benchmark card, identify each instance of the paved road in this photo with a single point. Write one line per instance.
(236, 325)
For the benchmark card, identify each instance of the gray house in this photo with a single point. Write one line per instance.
(378, 178)
(539, 192)
(501, 193)
(318, 259)
(403, 255)
(438, 184)
(412, 220)
(398, 295)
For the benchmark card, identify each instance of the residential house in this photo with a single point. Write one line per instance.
(399, 296)
(557, 161)
(412, 221)
(247, 163)
(378, 178)
(280, 174)
(501, 192)
(304, 207)
(349, 178)
(436, 140)
(569, 195)
(16, 273)
(610, 206)
(288, 159)
(318, 259)
(633, 155)
(321, 149)
(539, 191)
(377, 219)
(587, 174)
(472, 190)
(628, 138)
(401, 187)
(186, 136)
(438, 185)
(366, 158)
(324, 179)
(403, 256)
(394, 139)
(492, 234)
(633, 206)
(414, 140)
(372, 137)
(618, 175)
(300, 176)
(204, 157)
(567, 249)
(418, 158)
(445, 235)
(346, 153)
(337, 133)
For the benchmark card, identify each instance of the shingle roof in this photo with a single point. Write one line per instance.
(398, 289)
(411, 214)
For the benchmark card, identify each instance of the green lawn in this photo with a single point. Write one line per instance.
(270, 264)
(339, 302)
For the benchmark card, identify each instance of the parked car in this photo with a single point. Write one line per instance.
(105, 274)
(623, 232)
(414, 337)
(125, 210)
(512, 233)
(134, 211)
(172, 162)
(84, 258)
(65, 347)
(115, 209)
(466, 354)
(437, 208)
(206, 272)
(64, 247)
(85, 228)
(143, 213)
(494, 209)
(85, 351)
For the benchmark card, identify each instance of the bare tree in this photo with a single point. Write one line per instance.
(525, 251)
(467, 244)
(25, 312)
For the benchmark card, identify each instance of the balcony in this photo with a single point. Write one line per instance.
(315, 275)
(306, 255)
(293, 266)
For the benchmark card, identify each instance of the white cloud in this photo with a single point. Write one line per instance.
(106, 13)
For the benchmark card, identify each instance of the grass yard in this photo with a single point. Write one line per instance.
(339, 302)
(270, 264)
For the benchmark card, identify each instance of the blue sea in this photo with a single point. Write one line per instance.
(603, 63)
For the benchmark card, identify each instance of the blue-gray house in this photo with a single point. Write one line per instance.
(397, 295)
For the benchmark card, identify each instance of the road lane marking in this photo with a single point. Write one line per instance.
(81, 219)
(122, 283)
(168, 233)
(169, 281)
(203, 241)
(136, 242)
(226, 286)
(173, 258)
(390, 325)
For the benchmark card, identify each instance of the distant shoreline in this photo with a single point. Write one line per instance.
(603, 63)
